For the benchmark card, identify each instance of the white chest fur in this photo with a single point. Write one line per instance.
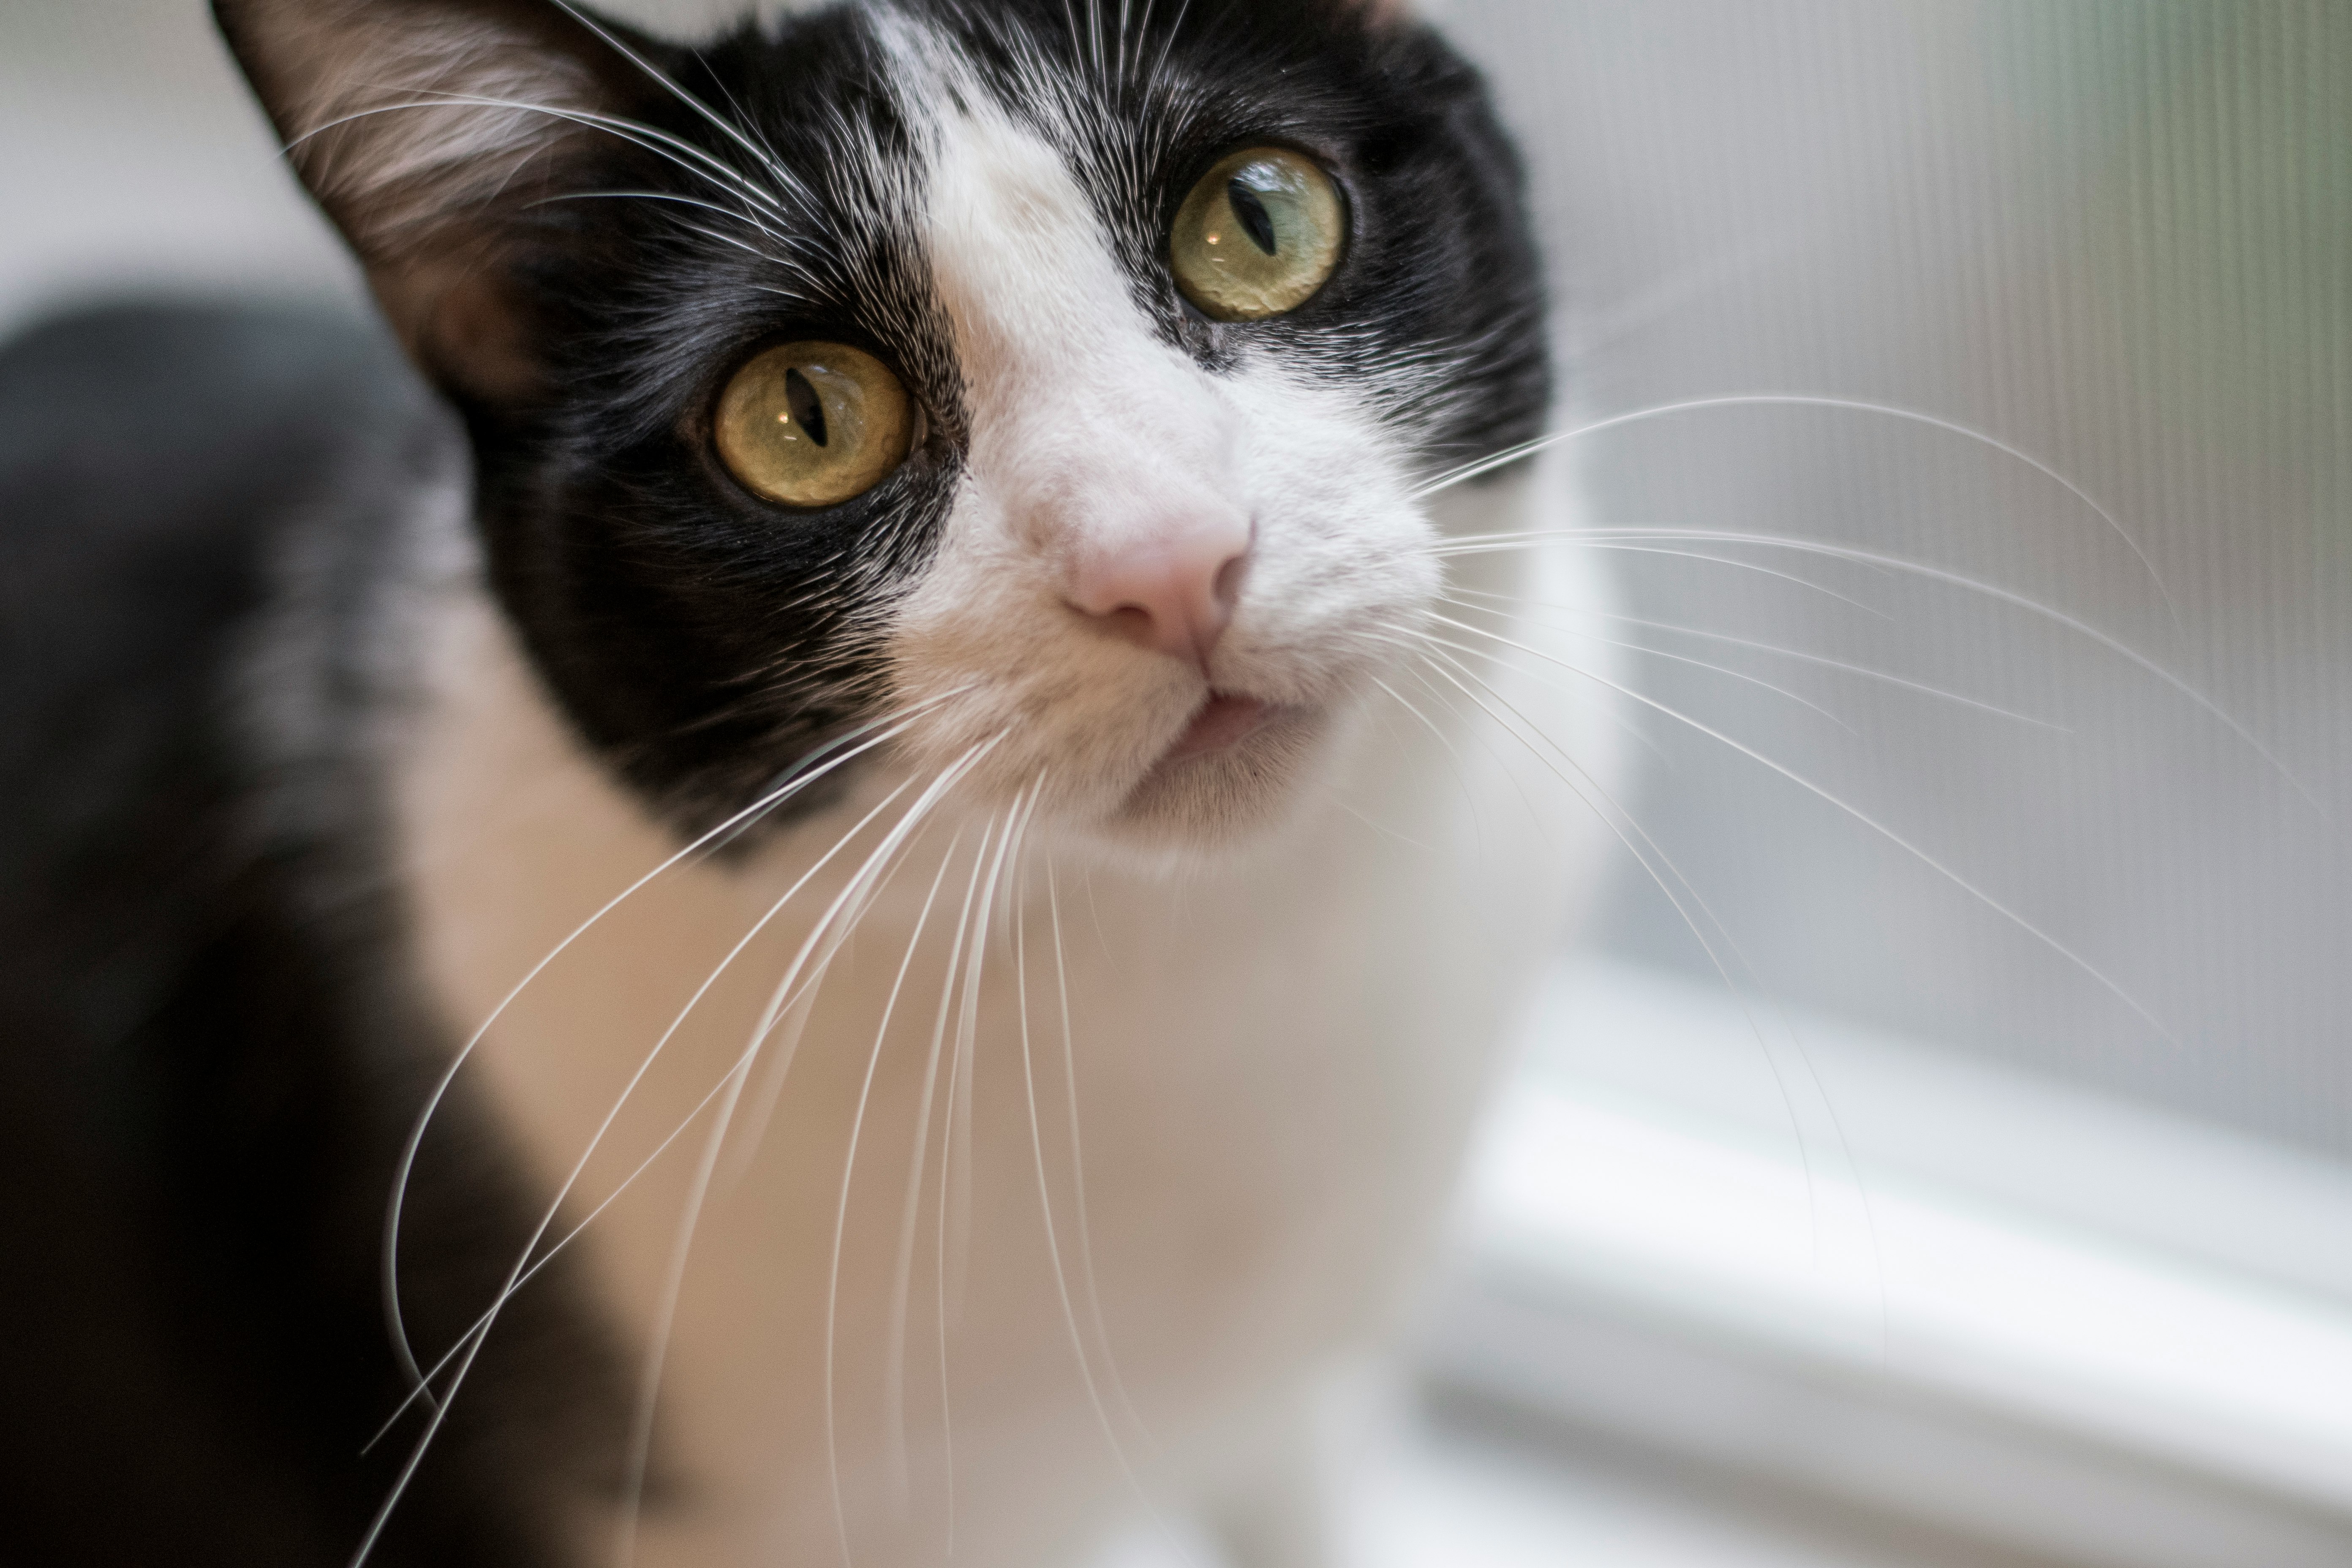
(1270, 1070)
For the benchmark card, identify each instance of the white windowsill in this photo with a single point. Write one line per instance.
(1963, 1294)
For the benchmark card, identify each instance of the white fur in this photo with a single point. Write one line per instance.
(1287, 969)
(1089, 433)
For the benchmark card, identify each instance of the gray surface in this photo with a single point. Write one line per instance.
(2115, 232)
(2119, 236)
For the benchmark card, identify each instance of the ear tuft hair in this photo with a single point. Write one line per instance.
(423, 127)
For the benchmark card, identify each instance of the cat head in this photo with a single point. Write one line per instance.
(1045, 382)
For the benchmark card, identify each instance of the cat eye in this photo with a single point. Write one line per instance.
(1258, 235)
(813, 424)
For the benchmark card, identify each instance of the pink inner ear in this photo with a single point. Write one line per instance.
(460, 325)
(422, 126)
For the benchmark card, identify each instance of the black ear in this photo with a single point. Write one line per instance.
(433, 132)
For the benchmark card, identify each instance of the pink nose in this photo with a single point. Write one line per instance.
(1172, 590)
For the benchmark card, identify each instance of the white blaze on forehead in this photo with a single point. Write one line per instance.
(1018, 256)
(1081, 417)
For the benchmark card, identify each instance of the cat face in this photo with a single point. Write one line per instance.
(883, 369)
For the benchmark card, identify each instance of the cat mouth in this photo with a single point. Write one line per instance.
(1223, 726)
(1224, 772)
(1224, 721)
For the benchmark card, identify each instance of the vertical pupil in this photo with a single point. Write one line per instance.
(1255, 221)
(807, 407)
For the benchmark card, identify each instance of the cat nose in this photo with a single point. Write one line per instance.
(1172, 590)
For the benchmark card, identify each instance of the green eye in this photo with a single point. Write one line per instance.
(1258, 235)
(813, 425)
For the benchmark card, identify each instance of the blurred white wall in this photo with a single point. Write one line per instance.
(2115, 234)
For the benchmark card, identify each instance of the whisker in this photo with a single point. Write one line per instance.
(841, 1213)
(1864, 817)
(1807, 400)
(1458, 594)
(957, 1172)
(1594, 539)
(1077, 1162)
(675, 150)
(1517, 788)
(850, 898)
(548, 1256)
(1166, 42)
(2004, 595)
(440, 1407)
(1460, 771)
(1641, 854)
(490, 1314)
(720, 122)
(805, 774)
(1340, 803)
(1044, 1188)
(797, 1002)
(1408, 640)
(941, 1294)
(671, 196)
(895, 1367)
(1715, 669)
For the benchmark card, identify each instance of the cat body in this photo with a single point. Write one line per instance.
(896, 1021)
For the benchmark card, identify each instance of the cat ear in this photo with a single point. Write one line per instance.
(428, 129)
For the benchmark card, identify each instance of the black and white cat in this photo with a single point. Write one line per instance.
(902, 670)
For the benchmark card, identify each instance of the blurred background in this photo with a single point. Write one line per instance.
(1968, 1179)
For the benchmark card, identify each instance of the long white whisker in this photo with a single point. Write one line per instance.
(784, 241)
(1409, 639)
(956, 1152)
(765, 157)
(1534, 815)
(1045, 1193)
(1992, 591)
(2083, 628)
(1641, 854)
(1593, 538)
(1077, 1164)
(895, 1367)
(788, 1002)
(440, 1408)
(841, 1212)
(1461, 771)
(1718, 669)
(1864, 817)
(490, 1314)
(804, 774)
(684, 154)
(850, 898)
(1806, 400)
(972, 957)
(1459, 594)
(1438, 661)
(960, 1079)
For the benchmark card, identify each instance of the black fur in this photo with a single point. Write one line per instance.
(209, 1052)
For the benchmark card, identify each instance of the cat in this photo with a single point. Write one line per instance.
(824, 871)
